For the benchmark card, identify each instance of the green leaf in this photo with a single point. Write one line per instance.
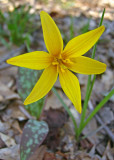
(34, 134)
(26, 80)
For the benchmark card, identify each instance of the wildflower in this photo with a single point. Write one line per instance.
(60, 61)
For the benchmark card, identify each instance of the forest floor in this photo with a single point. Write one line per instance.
(60, 143)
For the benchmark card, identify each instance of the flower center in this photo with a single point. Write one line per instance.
(61, 63)
(57, 61)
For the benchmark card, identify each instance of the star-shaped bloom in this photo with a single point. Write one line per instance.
(59, 61)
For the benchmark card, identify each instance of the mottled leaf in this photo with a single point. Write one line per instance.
(26, 80)
(33, 135)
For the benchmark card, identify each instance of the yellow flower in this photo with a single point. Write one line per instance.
(60, 61)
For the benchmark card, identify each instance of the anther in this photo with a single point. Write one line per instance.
(55, 63)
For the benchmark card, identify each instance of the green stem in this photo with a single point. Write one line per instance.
(28, 47)
(85, 105)
(94, 48)
(101, 21)
(89, 86)
(98, 107)
(40, 109)
(67, 109)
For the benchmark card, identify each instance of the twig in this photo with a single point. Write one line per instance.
(10, 54)
(16, 52)
(4, 66)
(108, 131)
(25, 112)
(93, 132)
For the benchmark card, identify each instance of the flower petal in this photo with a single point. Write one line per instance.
(44, 85)
(82, 43)
(52, 36)
(71, 87)
(33, 60)
(85, 65)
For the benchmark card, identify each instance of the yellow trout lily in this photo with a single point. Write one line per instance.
(60, 61)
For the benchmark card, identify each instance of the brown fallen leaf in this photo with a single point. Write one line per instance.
(4, 126)
(81, 155)
(7, 80)
(108, 153)
(56, 118)
(39, 153)
(16, 126)
(53, 102)
(108, 79)
(89, 131)
(106, 114)
(50, 156)
(7, 140)
(6, 93)
(15, 112)
(2, 144)
(11, 72)
(11, 153)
